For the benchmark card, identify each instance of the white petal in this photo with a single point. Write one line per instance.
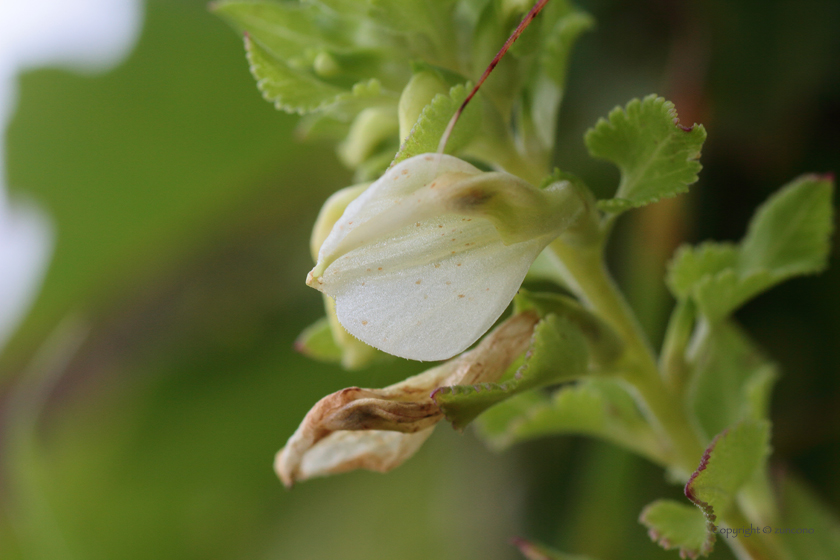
(443, 301)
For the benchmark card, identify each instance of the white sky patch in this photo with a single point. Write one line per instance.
(86, 35)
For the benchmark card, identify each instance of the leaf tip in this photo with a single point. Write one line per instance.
(708, 510)
(682, 126)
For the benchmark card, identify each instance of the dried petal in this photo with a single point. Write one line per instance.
(378, 429)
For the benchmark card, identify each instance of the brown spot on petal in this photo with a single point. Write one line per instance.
(380, 268)
(418, 282)
(460, 295)
(364, 322)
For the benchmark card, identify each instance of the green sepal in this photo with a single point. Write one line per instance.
(604, 344)
(317, 342)
(675, 525)
(788, 236)
(533, 551)
(557, 354)
(731, 460)
(430, 126)
(599, 407)
(657, 156)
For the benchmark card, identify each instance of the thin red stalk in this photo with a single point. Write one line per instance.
(526, 21)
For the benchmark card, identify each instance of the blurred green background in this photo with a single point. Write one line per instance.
(143, 398)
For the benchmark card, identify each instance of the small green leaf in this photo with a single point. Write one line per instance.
(730, 460)
(674, 525)
(290, 90)
(788, 236)
(597, 407)
(558, 353)
(691, 264)
(656, 155)
(534, 551)
(285, 30)
(731, 380)
(427, 131)
(297, 91)
(317, 342)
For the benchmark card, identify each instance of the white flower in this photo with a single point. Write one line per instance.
(430, 255)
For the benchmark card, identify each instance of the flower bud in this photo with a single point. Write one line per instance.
(430, 255)
(418, 93)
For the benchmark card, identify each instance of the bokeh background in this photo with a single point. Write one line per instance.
(143, 396)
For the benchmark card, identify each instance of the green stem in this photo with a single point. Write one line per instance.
(586, 273)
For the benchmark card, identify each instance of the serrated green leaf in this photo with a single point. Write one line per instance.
(558, 353)
(731, 381)
(290, 90)
(656, 155)
(690, 264)
(596, 407)
(788, 236)
(674, 525)
(283, 29)
(296, 91)
(534, 551)
(317, 342)
(427, 131)
(730, 461)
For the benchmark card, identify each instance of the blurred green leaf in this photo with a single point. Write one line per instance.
(534, 551)
(674, 525)
(288, 31)
(803, 511)
(730, 461)
(597, 407)
(731, 381)
(788, 236)
(549, 80)
(426, 23)
(656, 155)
